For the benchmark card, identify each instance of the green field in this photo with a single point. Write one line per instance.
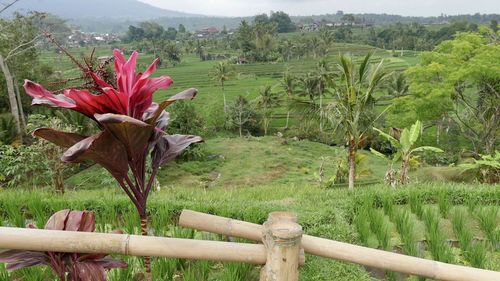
(247, 79)
(275, 176)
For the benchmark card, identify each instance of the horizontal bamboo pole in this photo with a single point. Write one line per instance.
(133, 245)
(343, 251)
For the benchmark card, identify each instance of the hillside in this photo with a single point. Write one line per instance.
(80, 9)
(264, 160)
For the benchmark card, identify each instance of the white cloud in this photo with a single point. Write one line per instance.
(308, 7)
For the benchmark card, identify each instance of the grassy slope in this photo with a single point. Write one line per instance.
(248, 162)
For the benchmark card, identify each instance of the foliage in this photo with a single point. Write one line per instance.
(185, 119)
(242, 116)
(459, 80)
(487, 169)
(405, 148)
(67, 266)
(222, 72)
(267, 101)
(8, 131)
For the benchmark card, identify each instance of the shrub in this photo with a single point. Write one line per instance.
(184, 119)
(242, 117)
(8, 131)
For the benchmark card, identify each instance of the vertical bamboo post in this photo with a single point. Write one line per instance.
(282, 239)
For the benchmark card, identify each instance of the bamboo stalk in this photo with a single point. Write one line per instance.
(343, 251)
(281, 238)
(133, 245)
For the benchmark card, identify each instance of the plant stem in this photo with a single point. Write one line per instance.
(144, 232)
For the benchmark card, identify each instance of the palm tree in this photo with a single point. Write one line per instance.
(353, 101)
(309, 86)
(398, 87)
(325, 78)
(222, 72)
(266, 101)
(289, 85)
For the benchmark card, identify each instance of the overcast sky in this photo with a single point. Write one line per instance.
(309, 7)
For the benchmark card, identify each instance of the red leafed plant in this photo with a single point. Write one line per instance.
(132, 128)
(67, 266)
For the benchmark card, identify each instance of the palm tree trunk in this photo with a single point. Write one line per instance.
(14, 108)
(321, 113)
(224, 96)
(405, 167)
(352, 163)
(287, 118)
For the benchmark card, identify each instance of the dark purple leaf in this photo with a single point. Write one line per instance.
(132, 133)
(104, 149)
(90, 271)
(20, 259)
(58, 220)
(62, 139)
(80, 221)
(170, 146)
(109, 263)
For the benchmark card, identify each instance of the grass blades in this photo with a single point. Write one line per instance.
(380, 227)
(237, 272)
(416, 204)
(362, 223)
(436, 241)
(406, 228)
(444, 203)
(388, 204)
(487, 218)
(164, 269)
(475, 254)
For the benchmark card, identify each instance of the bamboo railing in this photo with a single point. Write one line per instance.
(280, 252)
(133, 245)
(343, 251)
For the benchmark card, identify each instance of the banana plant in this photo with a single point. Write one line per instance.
(405, 148)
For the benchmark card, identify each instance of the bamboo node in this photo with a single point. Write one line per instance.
(126, 249)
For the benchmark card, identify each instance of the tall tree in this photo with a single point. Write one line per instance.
(289, 86)
(353, 100)
(266, 102)
(461, 79)
(17, 56)
(221, 72)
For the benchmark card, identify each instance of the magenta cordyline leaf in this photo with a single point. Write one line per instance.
(133, 96)
(88, 267)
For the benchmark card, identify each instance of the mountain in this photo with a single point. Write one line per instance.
(110, 9)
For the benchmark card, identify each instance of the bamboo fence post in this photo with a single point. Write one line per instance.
(344, 251)
(281, 236)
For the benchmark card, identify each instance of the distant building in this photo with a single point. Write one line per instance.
(207, 32)
(78, 38)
